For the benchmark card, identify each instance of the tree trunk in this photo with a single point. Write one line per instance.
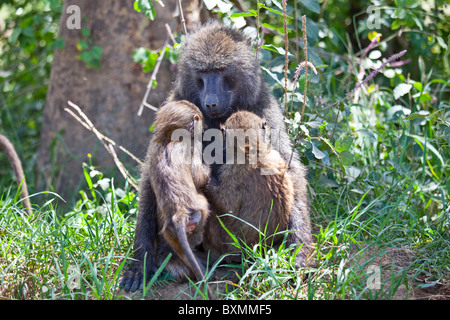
(110, 96)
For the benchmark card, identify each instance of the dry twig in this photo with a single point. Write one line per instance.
(86, 122)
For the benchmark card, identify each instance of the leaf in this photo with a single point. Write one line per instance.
(418, 85)
(14, 35)
(141, 55)
(85, 32)
(312, 5)
(210, 4)
(422, 142)
(278, 4)
(427, 285)
(317, 153)
(103, 183)
(343, 143)
(312, 31)
(401, 89)
(136, 6)
(442, 42)
(394, 112)
(273, 10)
(97, 52)
(146, 6)
(397, 24)
(447, 136)
(82, 45)
(85, 56)
(224, 7)
(273, 48)
(273, 76)
(347, 158)
(251, 13)
(416, 115)
(375, 54)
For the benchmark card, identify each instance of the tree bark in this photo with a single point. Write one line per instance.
(110, 96)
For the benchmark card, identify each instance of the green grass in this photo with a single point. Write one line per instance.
(77, 255)
(81, 254)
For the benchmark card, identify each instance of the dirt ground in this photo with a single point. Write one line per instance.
(388, 260)
(395, 261)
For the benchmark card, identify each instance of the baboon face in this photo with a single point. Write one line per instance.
(218, 72)
(215, 92)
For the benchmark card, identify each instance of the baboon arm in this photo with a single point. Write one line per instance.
(144, 240)
(13, 158)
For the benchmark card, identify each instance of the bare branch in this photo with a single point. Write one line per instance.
(85, 122)
(182, 17)
(89, 126)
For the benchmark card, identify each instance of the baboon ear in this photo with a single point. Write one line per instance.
(164, 103)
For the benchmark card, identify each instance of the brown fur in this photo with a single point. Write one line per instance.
(227, 53)
(178, 185)
(13, 158)
(263, 201)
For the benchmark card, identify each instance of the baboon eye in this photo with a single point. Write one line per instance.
(200, 83)
(228, 83)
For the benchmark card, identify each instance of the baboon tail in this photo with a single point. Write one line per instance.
(13, 158)
(192, 260)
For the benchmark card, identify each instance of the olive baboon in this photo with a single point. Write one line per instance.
(13, 158)
(259, 191)
(178, 181)
(220, 74)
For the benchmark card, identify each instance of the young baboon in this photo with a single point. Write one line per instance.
(259, 191)
(220, 74)
(178, 179)
(13, 158)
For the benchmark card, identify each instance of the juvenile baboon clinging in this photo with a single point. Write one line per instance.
(178, 180)
(13, 158)
(258, 191)
(220, 74)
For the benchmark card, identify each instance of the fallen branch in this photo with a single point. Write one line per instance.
(86, 122)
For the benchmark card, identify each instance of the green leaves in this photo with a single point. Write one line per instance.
(146, 58)
(90, 53)
(401, 89)
(146, 7)
(347, 158)
(343, 143)
(279, 50)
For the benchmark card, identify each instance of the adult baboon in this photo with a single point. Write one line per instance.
(178, 178)
(219, 73)
(13, 158)
(257, 190)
